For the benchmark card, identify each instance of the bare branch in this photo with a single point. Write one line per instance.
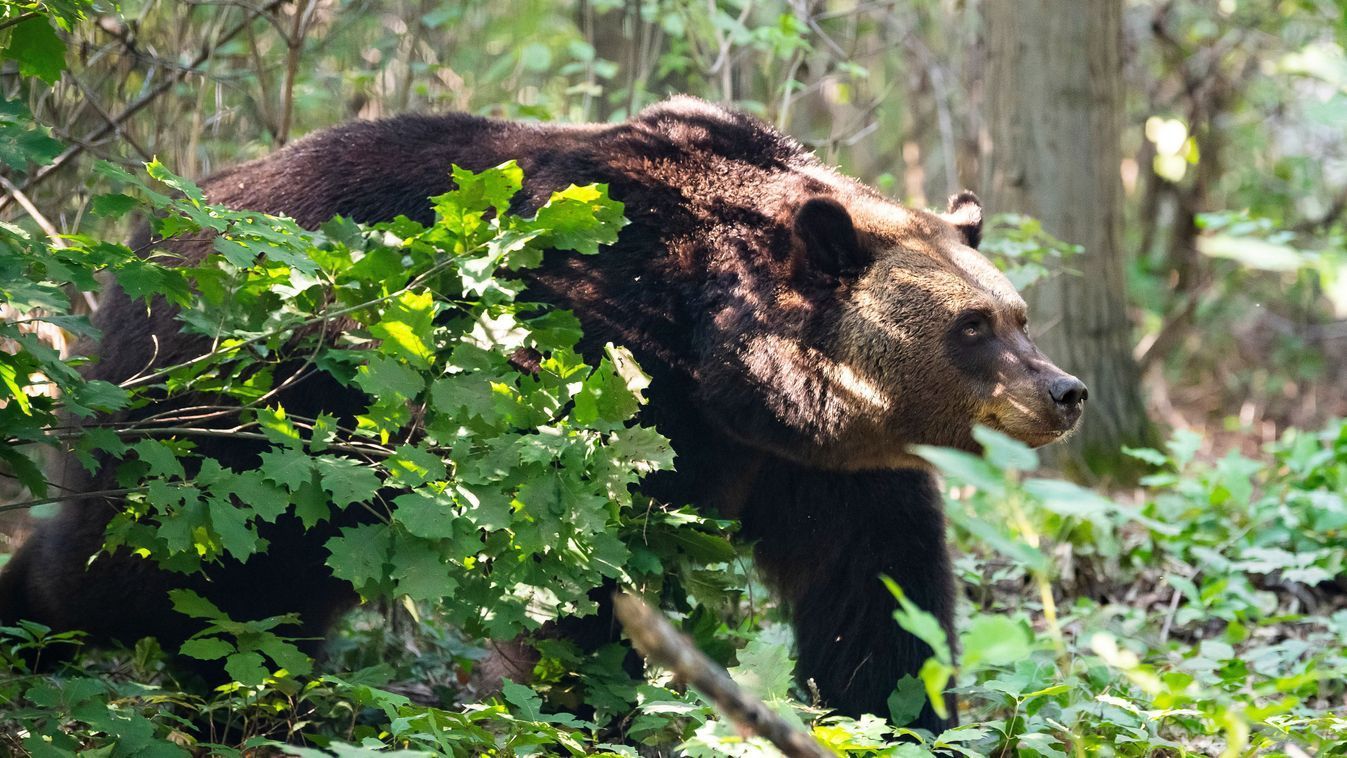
(19, 19)
(90, 98)
(47, 226)
(665, 646)
(112, 125)
(294, 43)
(70, 496)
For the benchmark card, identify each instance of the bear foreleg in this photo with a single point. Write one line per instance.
(825, 539)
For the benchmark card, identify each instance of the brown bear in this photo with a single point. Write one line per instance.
(801, 331)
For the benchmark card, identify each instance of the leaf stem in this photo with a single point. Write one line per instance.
(69, 496)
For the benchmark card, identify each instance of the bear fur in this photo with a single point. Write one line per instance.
(800, 329)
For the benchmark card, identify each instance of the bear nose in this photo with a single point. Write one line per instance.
(1068, 391)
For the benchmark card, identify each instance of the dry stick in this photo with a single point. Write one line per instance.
(665, 646)
(32, 210)
(294, 43)
(47, 226)
(90, 98)
(115, 122)
(19, 19)
(70, 496)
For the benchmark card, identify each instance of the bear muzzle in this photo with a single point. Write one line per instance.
(1068, 396)
(1063, 404)
(1039, 411)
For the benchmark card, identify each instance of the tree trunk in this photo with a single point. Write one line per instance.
(1055, 110)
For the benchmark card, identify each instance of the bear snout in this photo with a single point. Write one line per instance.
(1068, 391)
(1068, 396)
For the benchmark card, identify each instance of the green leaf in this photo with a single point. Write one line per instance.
(994, 641)
(702, 547)
(470, 391)
(1149, 455)
(358, 555)
(143, 280)
(906, 701)
(964, 468)
(580, 219)
(235, 251)
(535, 56)
(405, 328)
(192, 604)
(420, 571)
(765, 668)
(206, 648)
(287, 467)
(9, 378)
(160, 172)
(413, 466)
(487, 508)
(612, 392)
(113, 206)
(555, 329)
(38, 50)
(385, 377)
(919, 623)
(277, 427)
(230, 524)
(527, 704)
(1069, 499)
(98, 395)
(285, 654)
(23, 143)
(1031, 557)
(1254, 253)
(935, 674)
(311, 502)
(247, 668)
(1003, 452)
(348, 481)
(642, 448)
(325, 428)
(492, 188)
(265, 499)
(25, 470)
(425, 514)
(160, 458)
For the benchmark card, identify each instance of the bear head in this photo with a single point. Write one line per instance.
(890, 330)
(929, 337)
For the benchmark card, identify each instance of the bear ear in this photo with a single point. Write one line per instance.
(831, 245)
(965, 213)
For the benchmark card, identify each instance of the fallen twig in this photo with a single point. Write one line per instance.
(665, 646)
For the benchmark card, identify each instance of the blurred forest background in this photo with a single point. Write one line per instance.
(1185, 162)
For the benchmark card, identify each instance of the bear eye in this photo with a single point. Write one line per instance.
(973, 327)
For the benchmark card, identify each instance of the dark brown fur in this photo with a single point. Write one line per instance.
(794, 354)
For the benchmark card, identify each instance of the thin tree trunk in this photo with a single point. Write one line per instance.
(1055, 110)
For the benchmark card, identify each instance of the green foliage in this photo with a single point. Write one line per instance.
(1257, 245)
(30, 35)
(1023, 250)
(498, 498)
(1199, 615)
(525, 515)
(1237, 211)
(59, 716)
(241, 645)
(1219, 547)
